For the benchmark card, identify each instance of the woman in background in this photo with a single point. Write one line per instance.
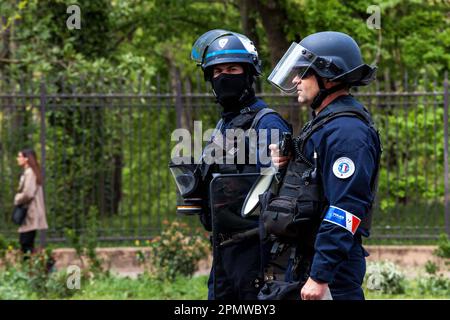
(30, 193)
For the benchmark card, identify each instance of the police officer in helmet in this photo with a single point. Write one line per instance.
(230, 63)
(343, 145)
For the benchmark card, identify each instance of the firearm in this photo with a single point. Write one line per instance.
(286, 144)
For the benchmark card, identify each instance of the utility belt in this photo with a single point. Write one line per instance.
(277, 285)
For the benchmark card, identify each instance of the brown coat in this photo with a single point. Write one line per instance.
(31, 193)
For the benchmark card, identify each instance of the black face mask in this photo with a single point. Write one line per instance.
(230, 89)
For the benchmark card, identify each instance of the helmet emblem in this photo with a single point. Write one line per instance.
(223, 42)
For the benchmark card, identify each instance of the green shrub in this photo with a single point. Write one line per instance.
(431, 267)
(177, 251)
(14, 285)
(443, 249)
(434, 284)
(33, 278)
(56, 286)
(6, 245)
(386, 277)
(85, 244)
(3, 247)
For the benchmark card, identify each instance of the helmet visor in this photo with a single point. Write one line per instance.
(296, 62)
(203, 42)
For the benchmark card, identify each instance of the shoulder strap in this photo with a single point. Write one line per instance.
(352, 112)
(255, 117)
(217, 128)
(204, 168)
(261, 113)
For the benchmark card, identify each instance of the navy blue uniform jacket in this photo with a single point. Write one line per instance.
(346, 183)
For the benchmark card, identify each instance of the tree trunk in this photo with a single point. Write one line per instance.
(273, 18)
(248, 12)
(188, 110)
(5, 53)
(176, 88)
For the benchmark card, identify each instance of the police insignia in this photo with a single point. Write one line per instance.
(223, 42)
(342, 218)
(343, 168)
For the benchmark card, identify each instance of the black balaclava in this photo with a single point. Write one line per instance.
(234, 91)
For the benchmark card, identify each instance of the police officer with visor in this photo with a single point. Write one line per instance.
(230, 62)
(344, 147)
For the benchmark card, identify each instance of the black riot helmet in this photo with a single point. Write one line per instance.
(222, 46)
(331, 55)
(339, 58)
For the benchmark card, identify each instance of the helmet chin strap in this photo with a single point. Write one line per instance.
(324, 92)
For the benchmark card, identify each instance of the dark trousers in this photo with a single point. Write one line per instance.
(234, 271)
(26, 240)
(347, 283)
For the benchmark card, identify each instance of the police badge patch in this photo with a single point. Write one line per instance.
(343, 168)
(223, 42)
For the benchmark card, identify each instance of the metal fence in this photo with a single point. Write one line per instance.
(104, 150)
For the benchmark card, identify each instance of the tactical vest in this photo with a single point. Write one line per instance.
(293, 216)
(247, 119)
(300, 198)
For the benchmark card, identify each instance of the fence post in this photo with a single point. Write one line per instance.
(43, 102)
(178, 100)
(446, 164)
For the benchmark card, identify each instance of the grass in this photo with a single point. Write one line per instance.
(144, 288)
(194, 288)
(16, 285)
(411, 293)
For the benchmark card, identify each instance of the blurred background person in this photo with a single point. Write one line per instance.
(31, 194)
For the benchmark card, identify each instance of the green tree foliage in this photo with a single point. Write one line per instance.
(109, 158)
(414, 35)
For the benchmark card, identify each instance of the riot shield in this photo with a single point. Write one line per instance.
(227, 194)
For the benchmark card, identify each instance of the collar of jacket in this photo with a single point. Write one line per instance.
(336, 105)
(254, 104)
